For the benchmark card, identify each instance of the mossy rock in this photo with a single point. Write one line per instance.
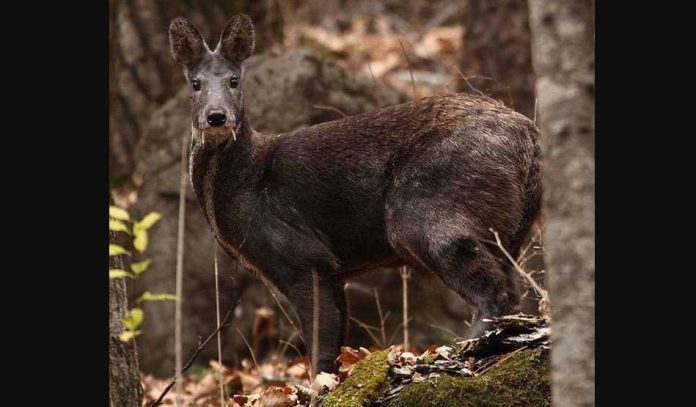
(367, 383)
(521, 380)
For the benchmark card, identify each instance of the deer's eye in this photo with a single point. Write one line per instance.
(196, 84)
(234, 82)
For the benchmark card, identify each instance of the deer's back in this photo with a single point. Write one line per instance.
(339, 177)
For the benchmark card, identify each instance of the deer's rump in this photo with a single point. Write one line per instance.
(445, 165)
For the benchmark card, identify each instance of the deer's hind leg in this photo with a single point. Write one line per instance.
(450, 248)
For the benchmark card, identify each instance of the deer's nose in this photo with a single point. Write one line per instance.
(216, 119)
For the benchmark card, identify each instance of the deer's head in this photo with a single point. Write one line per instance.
(214, 76)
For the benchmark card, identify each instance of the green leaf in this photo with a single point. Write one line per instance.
(149, 220)
(115, 250)
(134, 318)
(116, 273)
(140, 239)
(118, 213)
(148, 296)
(118, 226)
(140, 267)
(126, 336)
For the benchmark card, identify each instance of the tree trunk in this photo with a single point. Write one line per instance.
(146, 75)
(496, 46)
(124, 375)
(563, 54)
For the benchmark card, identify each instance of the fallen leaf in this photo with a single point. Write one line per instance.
(324, 382)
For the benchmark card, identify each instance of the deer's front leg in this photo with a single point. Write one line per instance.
(333, 316)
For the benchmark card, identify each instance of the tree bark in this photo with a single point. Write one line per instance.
(563, 55)
(124, 375)
(496, 46)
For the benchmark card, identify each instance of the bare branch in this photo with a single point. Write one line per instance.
(499, 361)
(382, 319)
(375, 94)
(292, 346)
(332, 109)
(201, 346)
(180, 269)
(217, 318)
(282, 309)
(396, 331)
(405, 274)
(287, 343)
(368, 329)
(251, 351)
(410, 69)
(543, 294)
(467, 81)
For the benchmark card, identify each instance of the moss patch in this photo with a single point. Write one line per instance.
(367, 382)
(521, 380)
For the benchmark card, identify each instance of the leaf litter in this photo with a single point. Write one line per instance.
(286, 383)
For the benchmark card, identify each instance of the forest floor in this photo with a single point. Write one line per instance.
(509, 363)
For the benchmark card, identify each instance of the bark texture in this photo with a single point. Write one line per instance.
(497, 45)
(124, 375)
(563, 52)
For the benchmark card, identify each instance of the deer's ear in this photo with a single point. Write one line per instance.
(185, 42)
(237, 39)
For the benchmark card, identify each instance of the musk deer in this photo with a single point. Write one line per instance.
(417, 184)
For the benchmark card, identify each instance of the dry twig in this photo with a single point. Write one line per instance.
(375, 94)
(499, 361)
(334, 109)
(180, 269)
(251, 351)
(286, 343)
(282, 309)
(542, 293)
(201, 346)
(405, 274)
(217, 318)
(467, 81)
(368, 329)
(382, 319)
(410, 69)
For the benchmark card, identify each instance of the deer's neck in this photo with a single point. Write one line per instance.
(223, 174)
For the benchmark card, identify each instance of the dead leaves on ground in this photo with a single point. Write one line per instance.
(244, 386)
(275, 383)
(278, 383)
(284, 384)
